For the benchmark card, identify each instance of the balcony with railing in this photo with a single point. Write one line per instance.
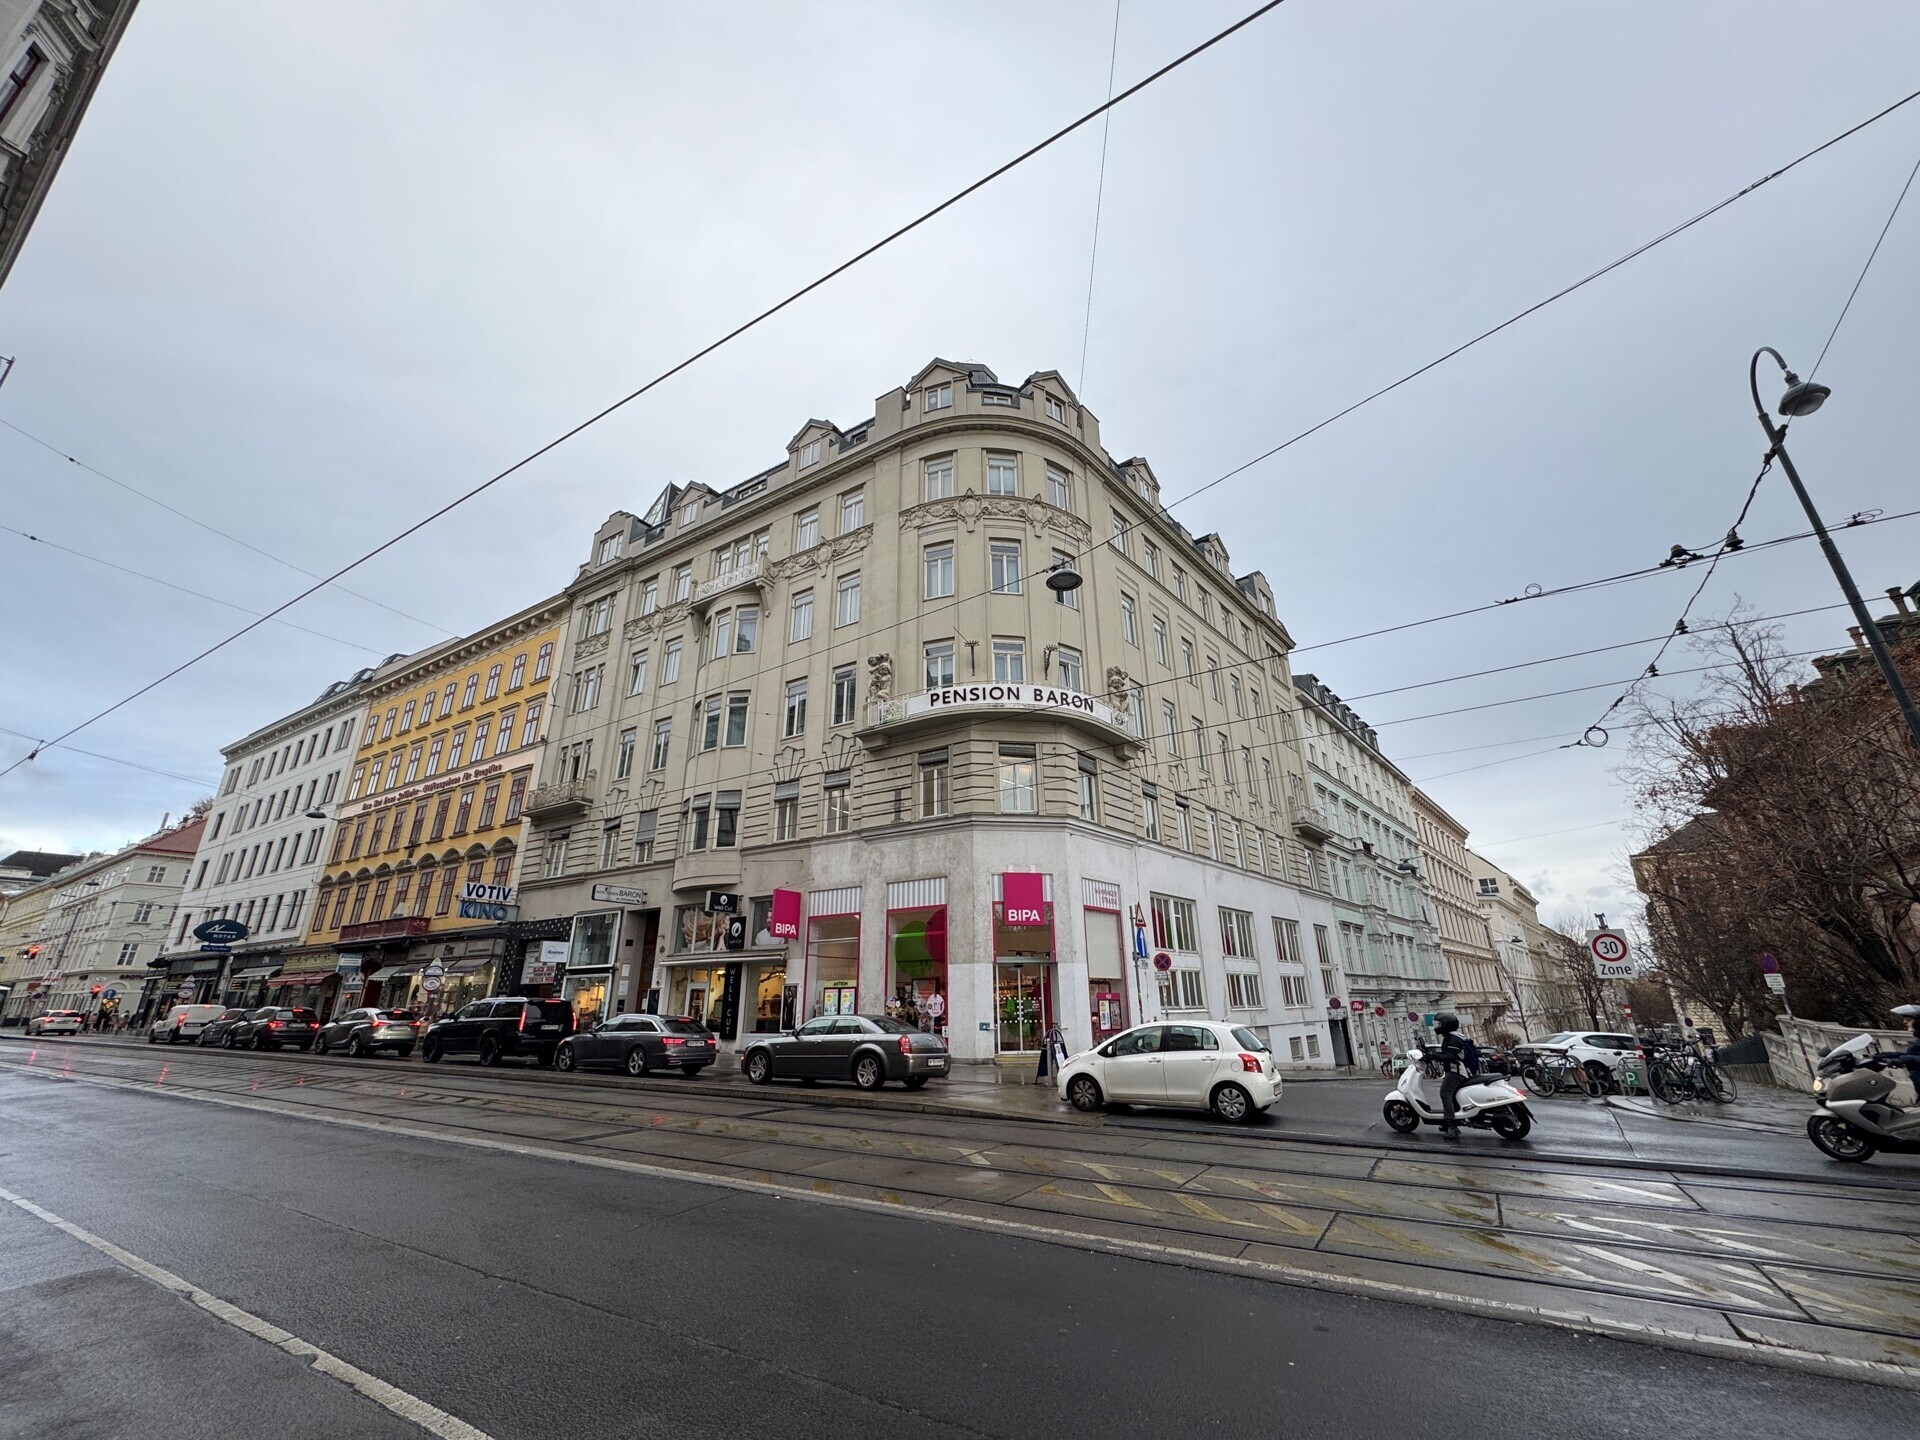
(562, 800)
(735, 577)
(394, 927)
(1310, 822)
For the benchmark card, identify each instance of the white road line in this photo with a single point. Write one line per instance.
(430, 1418)
(1696, 1342)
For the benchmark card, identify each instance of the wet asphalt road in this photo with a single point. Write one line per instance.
(531, 1297)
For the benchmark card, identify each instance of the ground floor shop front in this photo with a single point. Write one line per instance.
(996, 937)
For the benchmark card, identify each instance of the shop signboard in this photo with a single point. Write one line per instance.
(1003, 696)
(785, 921)
(347, 966)
(483, 910)
(1023, 897)
(220, 932)
(630, 896)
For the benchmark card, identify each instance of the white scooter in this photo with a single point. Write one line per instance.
(1487, 1103)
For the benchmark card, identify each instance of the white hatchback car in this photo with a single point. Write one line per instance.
(1193, 1064)
(57, 1022)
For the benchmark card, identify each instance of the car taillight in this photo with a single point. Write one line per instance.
(1250, 1063)
(906, 1044)
(276, 1024)
(675, 1040)
(523, 1019)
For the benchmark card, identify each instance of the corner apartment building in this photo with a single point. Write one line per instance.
(1473, 966)
(432, 804)
(105, 921)
(1525, 950)
(55, 52)
(260, 855)
(843, 691)
(1396, 973)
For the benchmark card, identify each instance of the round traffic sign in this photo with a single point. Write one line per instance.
(1609, 947)
(429, 983)
(1768, 964)
(1162, 961)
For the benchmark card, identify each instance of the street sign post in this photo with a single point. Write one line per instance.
(1163, 962)
(1612, 959)
(1777, 983)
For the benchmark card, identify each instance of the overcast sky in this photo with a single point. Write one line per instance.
(308, 272)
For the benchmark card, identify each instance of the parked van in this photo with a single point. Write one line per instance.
(183, 1022)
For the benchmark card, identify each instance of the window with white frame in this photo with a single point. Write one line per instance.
(682, 582)
(853, 511)
(1175, 926)
(1129, 619)
(1243, 990)
(846, 601)
(1150, 557)
(1009, 659)
(1003, 474)
(670, 661)
(1004, 564)
(649, 602)
(623, 757)
(1160, 642)
(1293, 990)
(1150, 811)
(932, 789)
(1118, 539)
(1019, 780)
(662, 740)
(1059, 488)
(809, 454)
(1187, 665)
(939, 664)
(836, 807)
(1088, 776)
(939, 570)
(1055, 410)
(939, 397)
(936, 478)
(637, 672)
(1170, 725)
(786, 810)
(795, 722)
(1073, 670)
(806, 529)
(1236, 934)
(801, 625)
(844, 689)
(1183, 988)
(554, 856)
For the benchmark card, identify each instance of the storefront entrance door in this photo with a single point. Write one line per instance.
(587, 989)
(1022, 1005)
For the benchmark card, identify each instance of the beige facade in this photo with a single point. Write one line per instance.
(1465, 939)
(847, 677)
(1528, 959)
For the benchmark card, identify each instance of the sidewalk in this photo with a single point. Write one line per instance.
(1780, 1112)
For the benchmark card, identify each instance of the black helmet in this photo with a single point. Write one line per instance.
(1446, 1024)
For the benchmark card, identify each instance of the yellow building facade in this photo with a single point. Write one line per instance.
(433, 805)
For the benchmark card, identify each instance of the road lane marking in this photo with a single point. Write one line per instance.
(762, 1183)
(391, 1398)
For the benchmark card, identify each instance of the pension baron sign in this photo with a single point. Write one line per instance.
(1000, 696)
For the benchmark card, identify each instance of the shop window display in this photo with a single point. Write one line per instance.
(917, 967)
(833, 964)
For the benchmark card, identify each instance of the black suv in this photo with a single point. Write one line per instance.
(501, 1025)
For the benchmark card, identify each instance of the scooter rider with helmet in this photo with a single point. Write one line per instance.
(1909, 1057)
(1461, 1059)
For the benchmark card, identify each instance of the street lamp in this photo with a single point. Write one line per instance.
(1803, 397)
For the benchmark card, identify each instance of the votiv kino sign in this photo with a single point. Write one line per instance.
(1000, 696)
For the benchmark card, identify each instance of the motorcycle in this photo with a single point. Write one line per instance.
(1856, 1118)
(1485, 1104)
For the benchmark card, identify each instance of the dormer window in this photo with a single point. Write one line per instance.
(939, 397)
(809, 454)
(997, 397)
(611, 547)
(1056, 411)
(690, 512)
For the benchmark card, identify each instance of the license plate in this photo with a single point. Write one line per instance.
(550, 1027)
(937, 1064)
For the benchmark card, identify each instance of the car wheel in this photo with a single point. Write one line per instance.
(430, 1051)
(254, 1042)
(759, 1067)
(869, 1073)
(914, 1082)
(228, 1041)
(1400, 1117)
(151, 1038)
(490, 1050)
(1231, 1102)
(563, 1058)
(1083, 1093)
(1511, 1122)
(357, 1046)
(322, 1046)
(637, 1061)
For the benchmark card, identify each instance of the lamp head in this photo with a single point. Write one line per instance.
(316, 814)
(1063, 577)
(1803, 397)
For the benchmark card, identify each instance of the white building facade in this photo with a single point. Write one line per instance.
(1389, 941)
(261, 855)
(842, 692)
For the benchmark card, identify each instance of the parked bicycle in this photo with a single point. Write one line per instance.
(1550, 1072)
(1685, 1072)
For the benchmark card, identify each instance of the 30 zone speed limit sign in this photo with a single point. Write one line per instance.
(1611, 958)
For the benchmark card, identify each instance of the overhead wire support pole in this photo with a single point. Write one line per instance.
(1803, 398)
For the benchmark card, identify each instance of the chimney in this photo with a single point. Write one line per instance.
(1860, 644)
(1899, 599)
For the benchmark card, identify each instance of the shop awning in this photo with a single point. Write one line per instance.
(387, 972)
(257, 972)
(299, 978)
(468, 964)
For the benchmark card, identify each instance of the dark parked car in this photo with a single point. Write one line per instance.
(500, 1026)
(214, 1032)
(272, 1027)
(368, 1032)
(639, 1043)
(866, 1049)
